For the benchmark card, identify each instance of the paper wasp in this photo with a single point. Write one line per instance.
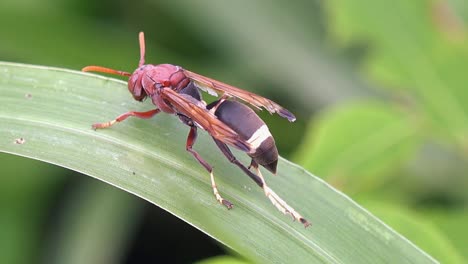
(174, 90)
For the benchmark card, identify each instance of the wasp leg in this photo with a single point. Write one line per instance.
(192, 137)
(122, 117)
(227, 152)
(279, 203)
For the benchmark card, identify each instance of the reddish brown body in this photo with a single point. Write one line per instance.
(147, 79)
(175, 90)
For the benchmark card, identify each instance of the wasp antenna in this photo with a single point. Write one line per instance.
(104, 70)
(141, 37)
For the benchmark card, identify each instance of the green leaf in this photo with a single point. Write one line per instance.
(357, 145)
(416, 47)
(223, 260)
(453, 223)
(417, 229)
(46, 115)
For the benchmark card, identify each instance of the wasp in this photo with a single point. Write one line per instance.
(175, 90)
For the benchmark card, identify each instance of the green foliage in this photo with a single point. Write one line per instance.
(47, 115)
(417, 229)
(417, 54)
(351, 144)
(402, 154)
(452, 223)
(223, 260)
(418, 49)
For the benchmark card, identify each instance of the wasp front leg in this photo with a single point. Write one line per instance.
(122, 117)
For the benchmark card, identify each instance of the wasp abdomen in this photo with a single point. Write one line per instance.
(250, 128)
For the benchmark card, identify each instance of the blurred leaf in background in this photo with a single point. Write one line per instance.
(354, 142)
(411, 148)
(26, 188)
(403, 141)
(417, 49)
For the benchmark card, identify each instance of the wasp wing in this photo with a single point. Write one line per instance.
(193, 109)
(212, 86)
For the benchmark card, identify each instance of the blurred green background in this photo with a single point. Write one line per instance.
(379, 89)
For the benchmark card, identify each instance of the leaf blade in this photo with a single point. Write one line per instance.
(52, 110)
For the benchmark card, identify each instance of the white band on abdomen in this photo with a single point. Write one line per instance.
(259, 136)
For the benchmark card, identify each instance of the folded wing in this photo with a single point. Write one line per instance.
(212, 86)
(204, 118)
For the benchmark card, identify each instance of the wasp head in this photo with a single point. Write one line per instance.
(134, 82)
(135, 86)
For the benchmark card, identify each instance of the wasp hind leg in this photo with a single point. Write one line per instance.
(192, 137)
(279, 203)
(122, 117)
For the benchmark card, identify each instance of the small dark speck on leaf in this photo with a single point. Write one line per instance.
(28, 96)
(133, 173)
(20, 141)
